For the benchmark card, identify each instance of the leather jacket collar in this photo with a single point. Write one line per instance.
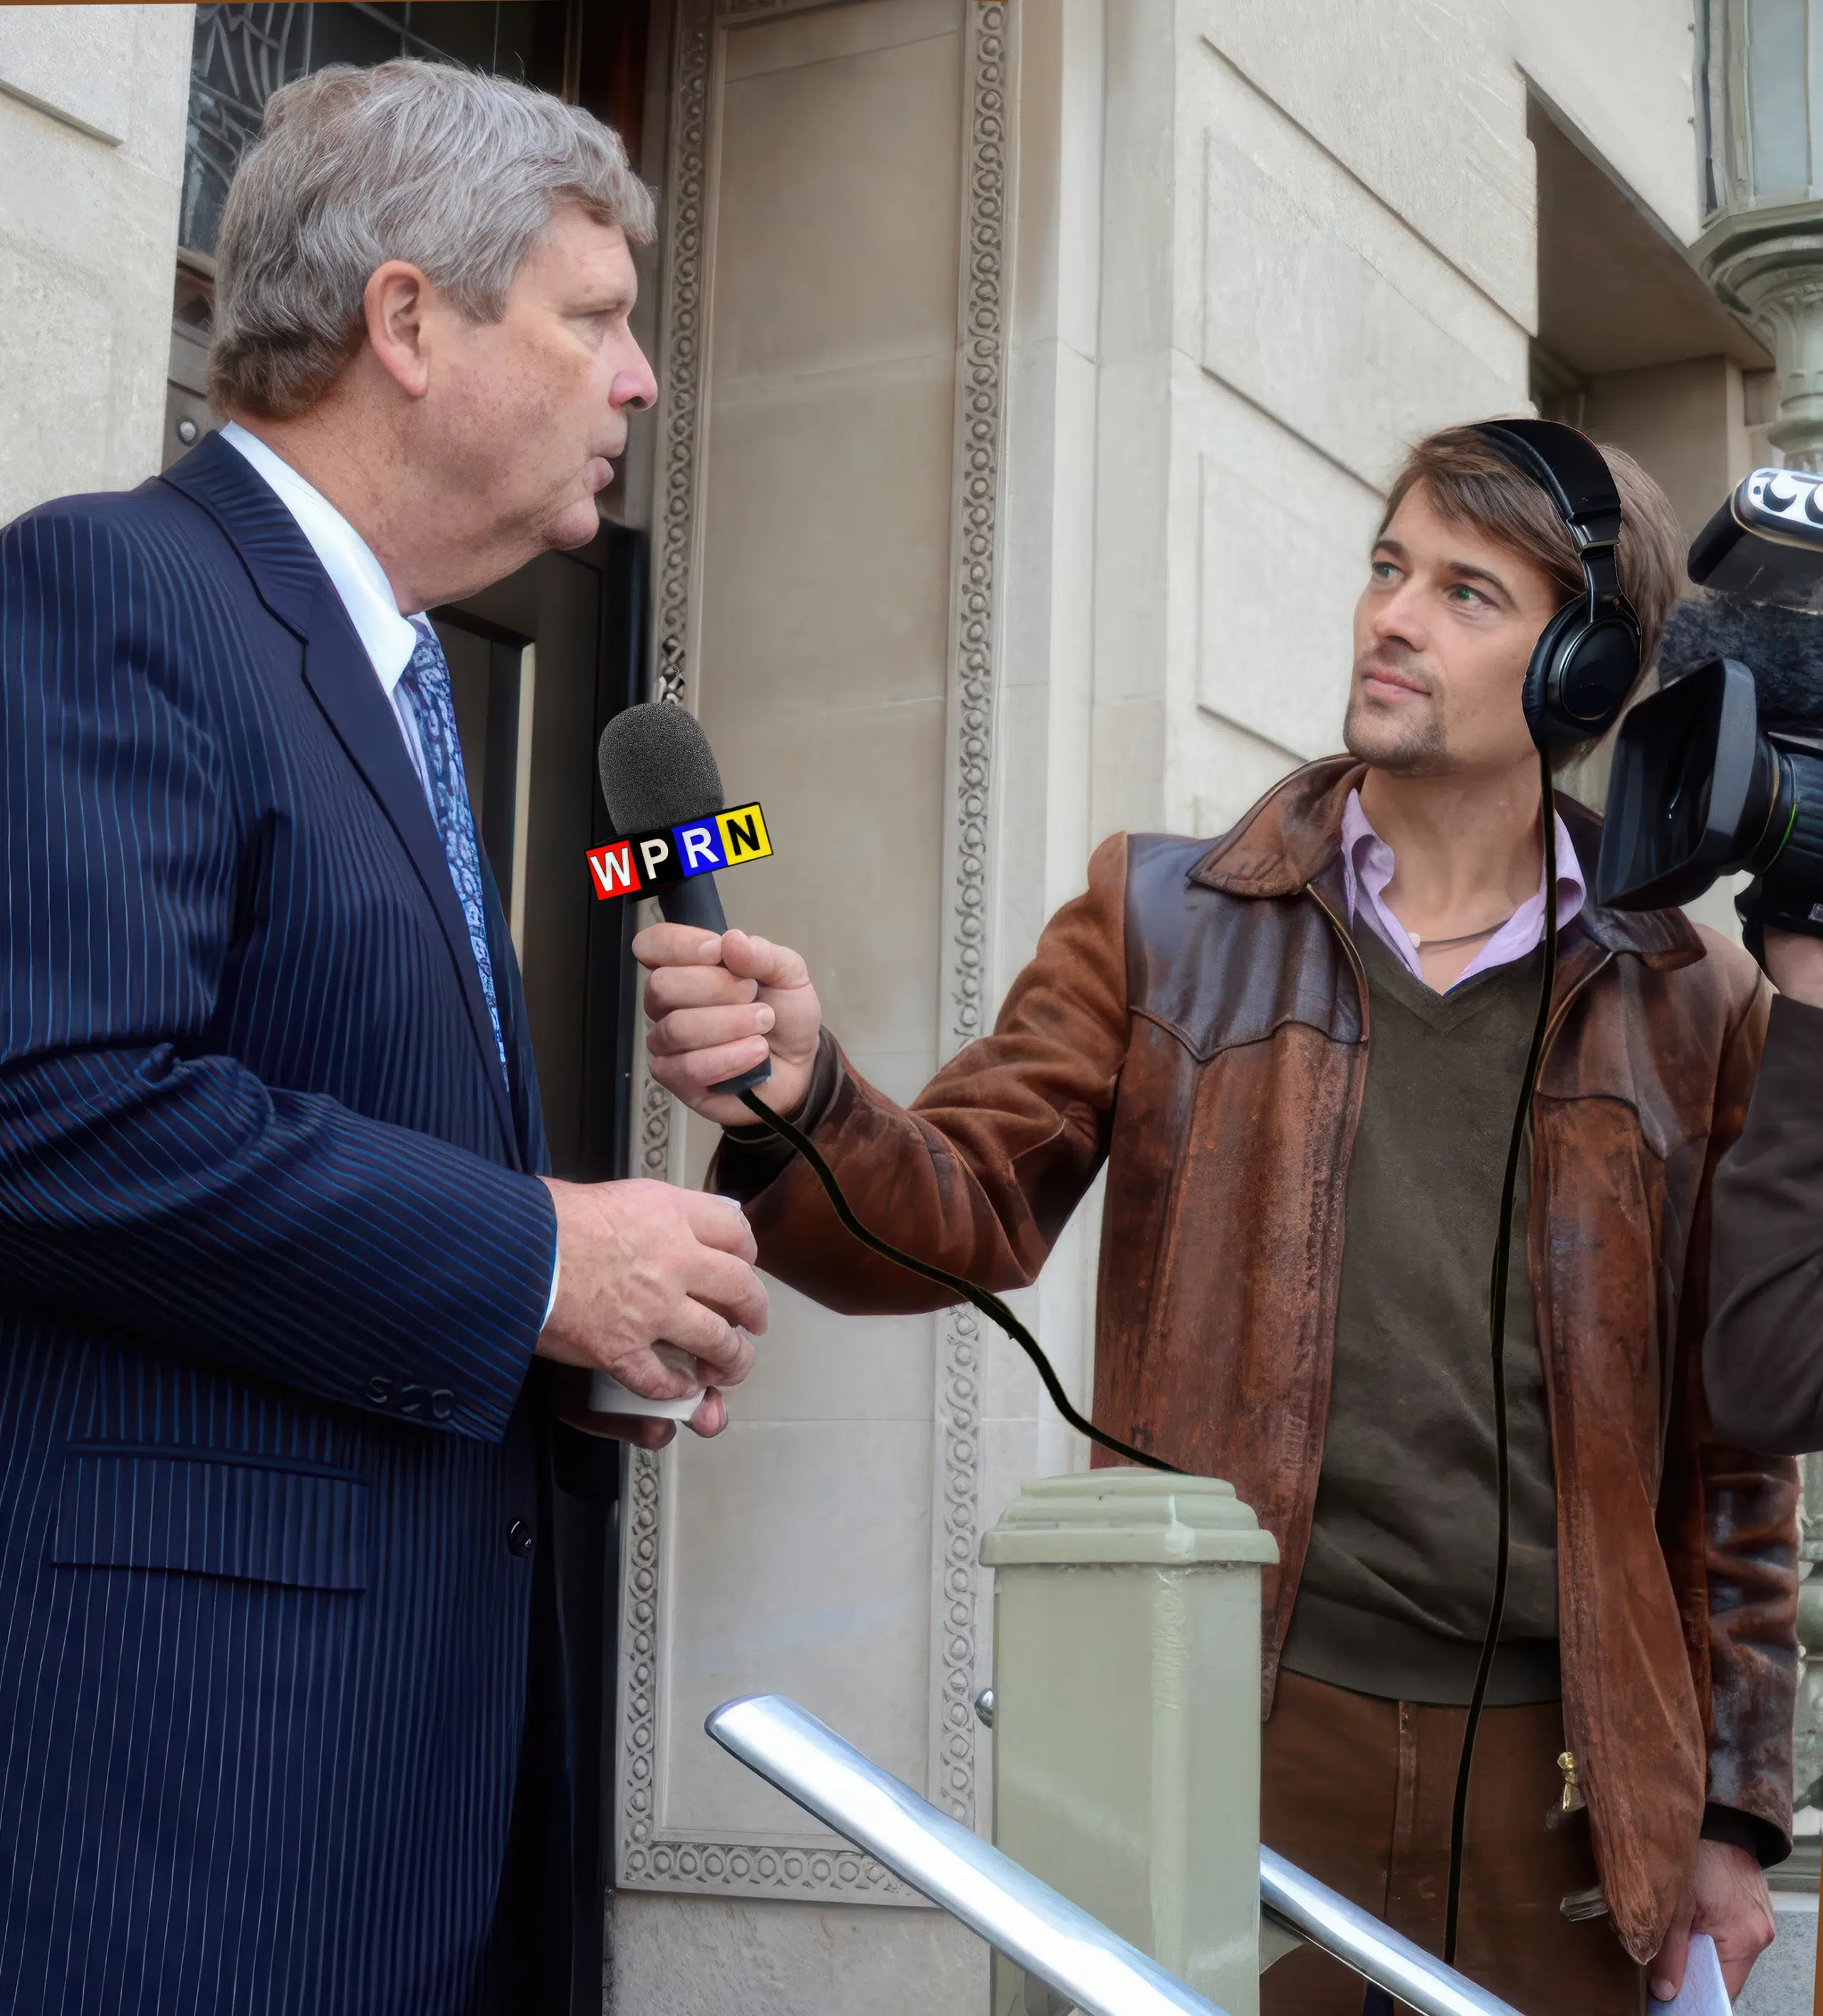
(1294, 834)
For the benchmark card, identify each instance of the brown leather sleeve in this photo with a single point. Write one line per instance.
(1747, 1600)
(1763, 1360)
(980, 1175)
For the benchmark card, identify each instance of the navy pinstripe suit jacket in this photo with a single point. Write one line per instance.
(271, 1266)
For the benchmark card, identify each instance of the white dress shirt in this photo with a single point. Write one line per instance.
(367, 596)
(1366, 867)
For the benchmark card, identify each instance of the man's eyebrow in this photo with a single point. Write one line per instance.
(1463, 571)
(1457, 570)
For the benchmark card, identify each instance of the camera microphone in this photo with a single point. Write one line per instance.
(1784, 647)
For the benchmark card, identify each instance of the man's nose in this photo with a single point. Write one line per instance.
(1400, 617)
(635, 387)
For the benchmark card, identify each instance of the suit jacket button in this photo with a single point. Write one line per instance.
(519, 1538)
(442, 1403)
(378, 1390)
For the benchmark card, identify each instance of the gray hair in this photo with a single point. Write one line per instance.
(454, 171)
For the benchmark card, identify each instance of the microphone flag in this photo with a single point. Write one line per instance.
(642, 862)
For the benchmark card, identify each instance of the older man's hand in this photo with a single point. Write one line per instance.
(641, 1264)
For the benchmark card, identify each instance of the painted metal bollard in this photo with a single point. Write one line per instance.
(1126, 1718)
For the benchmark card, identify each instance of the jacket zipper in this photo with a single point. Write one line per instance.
(1575, 1797)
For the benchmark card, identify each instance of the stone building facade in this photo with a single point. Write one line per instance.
(1032, 371)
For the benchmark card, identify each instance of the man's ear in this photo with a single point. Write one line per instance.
(394, 303)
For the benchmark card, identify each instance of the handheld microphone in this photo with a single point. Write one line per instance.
(658, 770)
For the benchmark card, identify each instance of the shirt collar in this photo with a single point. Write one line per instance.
(1366, 867)
(346, 559)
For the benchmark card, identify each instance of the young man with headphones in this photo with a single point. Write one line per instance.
(1299, 1050)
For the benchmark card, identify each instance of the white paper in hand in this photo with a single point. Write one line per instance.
(607, 1395)
(1703, 1994)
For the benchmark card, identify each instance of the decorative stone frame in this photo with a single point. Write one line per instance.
(647, 1859)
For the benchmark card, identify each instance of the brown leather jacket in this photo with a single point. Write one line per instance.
(1198, 1019)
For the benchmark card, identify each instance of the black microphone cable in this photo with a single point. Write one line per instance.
(1497, 1330)
(964, 1290)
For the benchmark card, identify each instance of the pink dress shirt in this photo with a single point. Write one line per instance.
(1366, 867)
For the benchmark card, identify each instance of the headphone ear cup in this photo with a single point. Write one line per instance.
(1539, 694)
(1580, 675)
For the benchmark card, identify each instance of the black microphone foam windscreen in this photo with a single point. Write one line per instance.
(657, 768)
(1783, 648)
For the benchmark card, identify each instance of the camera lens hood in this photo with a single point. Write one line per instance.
(1694, 793)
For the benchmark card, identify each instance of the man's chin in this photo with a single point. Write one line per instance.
(1402, 748)
(578, 525)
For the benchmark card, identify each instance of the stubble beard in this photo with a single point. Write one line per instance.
(1403, 741)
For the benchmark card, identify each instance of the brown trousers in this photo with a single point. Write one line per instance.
(1358, 1790)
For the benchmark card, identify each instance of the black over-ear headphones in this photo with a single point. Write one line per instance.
(1587, 658)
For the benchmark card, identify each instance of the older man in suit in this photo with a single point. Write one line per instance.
(284, 1296)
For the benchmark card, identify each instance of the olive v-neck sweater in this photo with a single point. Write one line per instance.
(1394, 1597)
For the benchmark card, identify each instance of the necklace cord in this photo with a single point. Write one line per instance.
(1467, 937)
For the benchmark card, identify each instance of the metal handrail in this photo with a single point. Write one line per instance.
(1071, 1952)
(1361, 1940)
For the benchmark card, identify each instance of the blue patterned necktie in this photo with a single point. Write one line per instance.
(425, 683)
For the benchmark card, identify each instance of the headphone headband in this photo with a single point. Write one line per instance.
(1568, 468)
(1586, 660)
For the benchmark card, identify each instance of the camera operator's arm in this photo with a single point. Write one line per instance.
(1763, 1362)
(1727, 1521)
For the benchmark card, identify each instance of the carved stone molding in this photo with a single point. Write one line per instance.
(648, 1857)
(682, 358)
(975, 520)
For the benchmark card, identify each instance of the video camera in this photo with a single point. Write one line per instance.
(1722, 770)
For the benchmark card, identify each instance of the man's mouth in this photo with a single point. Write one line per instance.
(1383, 682)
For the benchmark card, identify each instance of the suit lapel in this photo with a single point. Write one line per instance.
(289, 580)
